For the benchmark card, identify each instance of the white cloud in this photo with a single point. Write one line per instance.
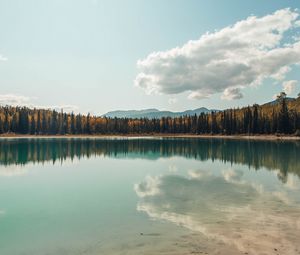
(19, 100)
(14, 100)
(3, 58)
(289, 86)
(225, 61)
(280, 75)
(204, 94)
(232, 93)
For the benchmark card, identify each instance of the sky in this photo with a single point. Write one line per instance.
(101, 55)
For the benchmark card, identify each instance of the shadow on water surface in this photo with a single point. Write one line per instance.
(273, 155)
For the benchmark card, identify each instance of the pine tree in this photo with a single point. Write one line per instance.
(23, 121)
(44, 123)
(39, 122)
(283, 118)
(73, 124)
(54, 123)
(255, 123)
(32, 125)
(1, 126)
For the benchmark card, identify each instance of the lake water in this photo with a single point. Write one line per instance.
(149, 196)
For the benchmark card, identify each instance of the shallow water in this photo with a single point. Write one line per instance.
(149, 196)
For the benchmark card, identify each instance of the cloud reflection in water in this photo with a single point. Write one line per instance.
(224, 208)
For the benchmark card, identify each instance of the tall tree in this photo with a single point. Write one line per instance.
(283, 115)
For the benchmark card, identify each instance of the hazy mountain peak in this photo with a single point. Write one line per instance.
(153, 113)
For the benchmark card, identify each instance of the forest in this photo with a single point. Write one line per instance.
(281, 117)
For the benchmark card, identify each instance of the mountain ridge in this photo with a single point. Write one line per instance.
(154, 113)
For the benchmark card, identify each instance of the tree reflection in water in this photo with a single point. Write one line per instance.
(273, 155)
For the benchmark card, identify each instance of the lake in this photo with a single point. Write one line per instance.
(149, 196)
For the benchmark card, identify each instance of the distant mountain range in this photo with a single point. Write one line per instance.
(154, 113)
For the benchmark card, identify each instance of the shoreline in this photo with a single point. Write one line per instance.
(135, 136)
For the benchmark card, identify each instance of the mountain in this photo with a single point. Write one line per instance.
(129, 113)
(154, 113)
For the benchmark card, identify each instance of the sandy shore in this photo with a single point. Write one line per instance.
(247, 137)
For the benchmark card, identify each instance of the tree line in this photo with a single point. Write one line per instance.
(279, 118)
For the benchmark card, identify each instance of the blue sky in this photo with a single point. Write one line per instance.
(84, 53)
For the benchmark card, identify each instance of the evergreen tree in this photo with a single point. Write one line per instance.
(39, 122)
(255, 124)
(283, 116)
(1, 126)
(73, 124)
(23, 127)
(32, 125)
(44, 123)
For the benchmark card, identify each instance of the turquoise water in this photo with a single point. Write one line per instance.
(149, 196)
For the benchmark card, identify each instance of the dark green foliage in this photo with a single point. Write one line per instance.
(283, 116)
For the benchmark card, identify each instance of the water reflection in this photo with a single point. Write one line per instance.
(227, 208)
(274, 155)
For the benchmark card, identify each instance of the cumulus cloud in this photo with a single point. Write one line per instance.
(205, 93)
(232, 93)
(19, 100)
(2, 58)
(289, 86)
(14, 100)
(225, 61)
